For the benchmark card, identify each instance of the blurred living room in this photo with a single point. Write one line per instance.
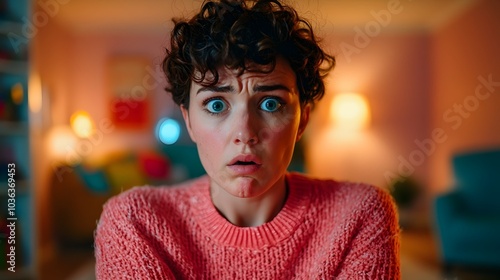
(412, 106)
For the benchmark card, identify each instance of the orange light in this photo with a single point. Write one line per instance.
(61, 142)
(17, 94)
(82, 124)
(350, 111)
(35, 93)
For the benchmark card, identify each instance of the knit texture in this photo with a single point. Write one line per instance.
(325, 230)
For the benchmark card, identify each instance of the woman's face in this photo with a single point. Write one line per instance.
(245, 128)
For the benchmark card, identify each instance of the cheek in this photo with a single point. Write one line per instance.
(280, 130)
(210, 145)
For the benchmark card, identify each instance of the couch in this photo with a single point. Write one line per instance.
(468, 217)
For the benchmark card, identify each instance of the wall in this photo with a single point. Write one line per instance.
(392, 72)
(48, 46)
(72, 70)
(463, 51)
(90, 56)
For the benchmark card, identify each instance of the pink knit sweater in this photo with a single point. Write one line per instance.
(326, 230)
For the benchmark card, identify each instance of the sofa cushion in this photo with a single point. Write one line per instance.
(483, 201)
(478, 169)
(477, 176)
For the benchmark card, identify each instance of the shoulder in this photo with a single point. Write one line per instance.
(342, 188)
(344, 196)
(146, 201)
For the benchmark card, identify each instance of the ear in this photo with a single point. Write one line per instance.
(304, 120)
(187, 121)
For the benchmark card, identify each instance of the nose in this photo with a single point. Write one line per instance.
(246, 138)
(246, 131)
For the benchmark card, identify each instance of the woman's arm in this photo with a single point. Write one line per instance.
(121, 250)
(374, 253)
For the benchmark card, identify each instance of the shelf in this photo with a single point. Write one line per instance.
(13, 128)
(22, 187)
(15, 132)
(21, 273)
(13, 66)
(10, 26)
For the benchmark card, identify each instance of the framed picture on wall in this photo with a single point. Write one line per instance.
(130, 101)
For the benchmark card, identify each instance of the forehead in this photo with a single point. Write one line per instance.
(282, 71)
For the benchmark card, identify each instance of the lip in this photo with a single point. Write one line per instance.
(240, 169)
(247, 158)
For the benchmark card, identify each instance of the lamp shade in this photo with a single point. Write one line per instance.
(61, 141)
(350, 111)
(82, 124)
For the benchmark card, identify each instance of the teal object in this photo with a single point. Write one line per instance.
(185, 155)
(95, 180)
(468, 217)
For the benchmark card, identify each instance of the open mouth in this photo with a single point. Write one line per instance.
(244, 163)
(244, 160)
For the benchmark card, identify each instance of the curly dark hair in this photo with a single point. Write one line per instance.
(245, 36)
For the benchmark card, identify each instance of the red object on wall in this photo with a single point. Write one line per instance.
(130, 113)
(154, 165)
(129, 94)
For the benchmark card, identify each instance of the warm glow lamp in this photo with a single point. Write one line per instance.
(35, 93)
(82, 124)
(350, 111)
(17, 93)
(61, 142)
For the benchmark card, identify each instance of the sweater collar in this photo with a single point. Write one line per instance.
(216, 227)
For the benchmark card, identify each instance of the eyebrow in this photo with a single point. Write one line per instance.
(266, 88)
(261, 88)
(216, 89)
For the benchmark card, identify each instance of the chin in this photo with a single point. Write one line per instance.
(245, 187)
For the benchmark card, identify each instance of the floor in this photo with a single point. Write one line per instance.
(420, 256)
(68, 264)
(420, 260)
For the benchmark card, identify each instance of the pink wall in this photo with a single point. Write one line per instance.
(49, 45)
(82, 84)
(90, 56)
(72, 68)
(392, 72)
(463, 51)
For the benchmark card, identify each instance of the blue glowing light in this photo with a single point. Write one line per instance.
(168, 131)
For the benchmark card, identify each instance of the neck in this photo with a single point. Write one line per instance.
(254, 211)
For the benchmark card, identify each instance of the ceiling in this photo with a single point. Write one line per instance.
(343, 15)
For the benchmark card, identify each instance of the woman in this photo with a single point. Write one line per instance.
(245, 76)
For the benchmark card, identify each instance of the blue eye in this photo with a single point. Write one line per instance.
(216, 106)
(270, 105)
